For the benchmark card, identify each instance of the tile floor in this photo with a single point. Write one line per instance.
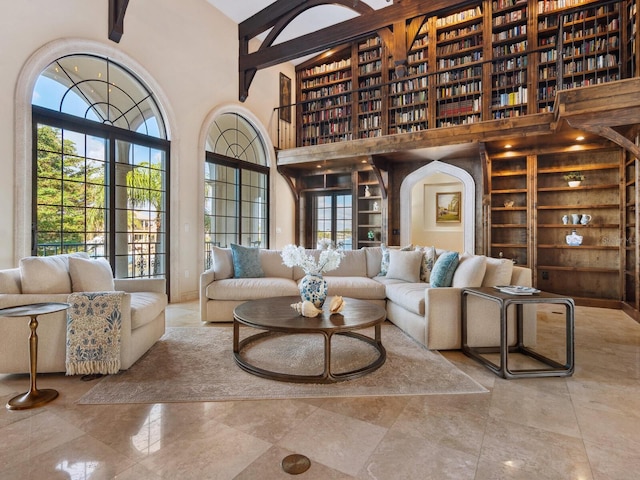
(583, 427)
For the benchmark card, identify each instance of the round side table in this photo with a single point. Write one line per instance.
(34, 397)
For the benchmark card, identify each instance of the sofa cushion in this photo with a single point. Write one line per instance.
(10, 281)
(353, 264)
(47, 274)
(428, 260)
(498, 272)
(443, 269)
(409, 296)
(272, 266)
(251, 288)
(374, 260)
(146, 306)
(405, 265)
(89, 275)
(470, 271)
(384, 262)
(356, 287)
(246, 262)
(222, 263)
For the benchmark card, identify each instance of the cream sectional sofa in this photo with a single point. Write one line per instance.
(431, 315)
(51, 279)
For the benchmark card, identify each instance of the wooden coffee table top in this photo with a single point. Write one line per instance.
(275, 314)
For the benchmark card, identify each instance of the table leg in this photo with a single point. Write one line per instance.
(34, 397)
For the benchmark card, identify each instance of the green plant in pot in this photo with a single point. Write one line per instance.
(574, 178)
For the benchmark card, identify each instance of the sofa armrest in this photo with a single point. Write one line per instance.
(206, 278)
(521, 276)
(442, 317)
(132, 285)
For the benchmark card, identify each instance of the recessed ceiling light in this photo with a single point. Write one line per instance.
(580, 138)
(508, 145)
(318, 166)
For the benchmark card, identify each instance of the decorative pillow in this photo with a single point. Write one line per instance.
(428, 259)
(498, 272)
(470, 271)
(405, 265)
(222, 263)
(443, 269)
(91, 275)
(384, 265)
(246, 262)
(47, 274)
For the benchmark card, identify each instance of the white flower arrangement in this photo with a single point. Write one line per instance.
(329, 259)
(325, 243)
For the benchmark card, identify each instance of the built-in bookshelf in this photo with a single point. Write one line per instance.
(325, 93)
(408, 95)
(459, 54)
(370, 79)
(370, 214)
(509, 218)
(509, 40)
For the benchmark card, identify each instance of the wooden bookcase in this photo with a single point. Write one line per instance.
(631, 283)
(510, 45)
(370, 80)
(510, 207)
(370, 210)
(408, 96)
(459, 55)
(590, 271)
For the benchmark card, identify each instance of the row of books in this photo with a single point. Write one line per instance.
(460, 107)
(327, 67)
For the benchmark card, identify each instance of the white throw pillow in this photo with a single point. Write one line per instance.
(498, 272)
(47, 274)
(89, 275)
(405, 265)
(470, 271)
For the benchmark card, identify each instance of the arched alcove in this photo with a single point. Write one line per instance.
(468, 200)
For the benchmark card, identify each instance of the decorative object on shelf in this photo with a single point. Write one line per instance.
(508, 203)
(337, 304)
(574, 178)
(574, 240)
(367, 192)
(565, 219)
(575, 218)
(306, 309)
(313, 286)
(376, 207)
(586, 218)
(371, 235)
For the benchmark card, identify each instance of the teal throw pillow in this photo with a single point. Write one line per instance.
(246, 262)
(443, 269)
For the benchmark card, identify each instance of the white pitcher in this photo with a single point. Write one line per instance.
(586, 218)
(575, 218)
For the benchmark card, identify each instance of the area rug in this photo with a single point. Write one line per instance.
(196, 364)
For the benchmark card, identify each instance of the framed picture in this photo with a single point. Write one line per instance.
(285, 98)
(448, 207)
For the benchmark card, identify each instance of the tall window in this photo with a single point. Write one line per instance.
(332, 214)
(100, 166)
(236, 185)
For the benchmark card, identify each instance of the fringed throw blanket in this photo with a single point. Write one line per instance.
(94, 323)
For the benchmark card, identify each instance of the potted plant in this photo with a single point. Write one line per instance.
(574, 178)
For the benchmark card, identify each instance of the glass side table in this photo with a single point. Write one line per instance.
(34, 397)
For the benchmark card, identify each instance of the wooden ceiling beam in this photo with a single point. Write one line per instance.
(325, 38)
(117, 9)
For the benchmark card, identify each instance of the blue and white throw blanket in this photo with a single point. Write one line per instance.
(94, 324)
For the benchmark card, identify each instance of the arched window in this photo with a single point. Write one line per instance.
(100, 166)
(236, 185)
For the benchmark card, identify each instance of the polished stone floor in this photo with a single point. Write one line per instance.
(583, 427)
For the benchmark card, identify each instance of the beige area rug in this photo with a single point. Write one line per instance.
(196, 364)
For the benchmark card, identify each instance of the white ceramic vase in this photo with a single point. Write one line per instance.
(574, 240)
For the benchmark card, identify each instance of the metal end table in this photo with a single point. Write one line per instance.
(552, 368)
(34, 397)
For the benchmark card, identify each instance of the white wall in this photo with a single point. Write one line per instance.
(424, 228)
(188, 52)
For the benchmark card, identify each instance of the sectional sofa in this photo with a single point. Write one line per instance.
(52, 279)
(394, 279)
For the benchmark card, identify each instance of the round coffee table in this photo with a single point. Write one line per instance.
(276, 317)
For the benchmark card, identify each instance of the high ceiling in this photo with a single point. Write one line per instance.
(314, 19)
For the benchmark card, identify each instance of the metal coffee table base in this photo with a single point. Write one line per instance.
(327, 376)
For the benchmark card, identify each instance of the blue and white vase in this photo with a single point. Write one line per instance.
(313, 288)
